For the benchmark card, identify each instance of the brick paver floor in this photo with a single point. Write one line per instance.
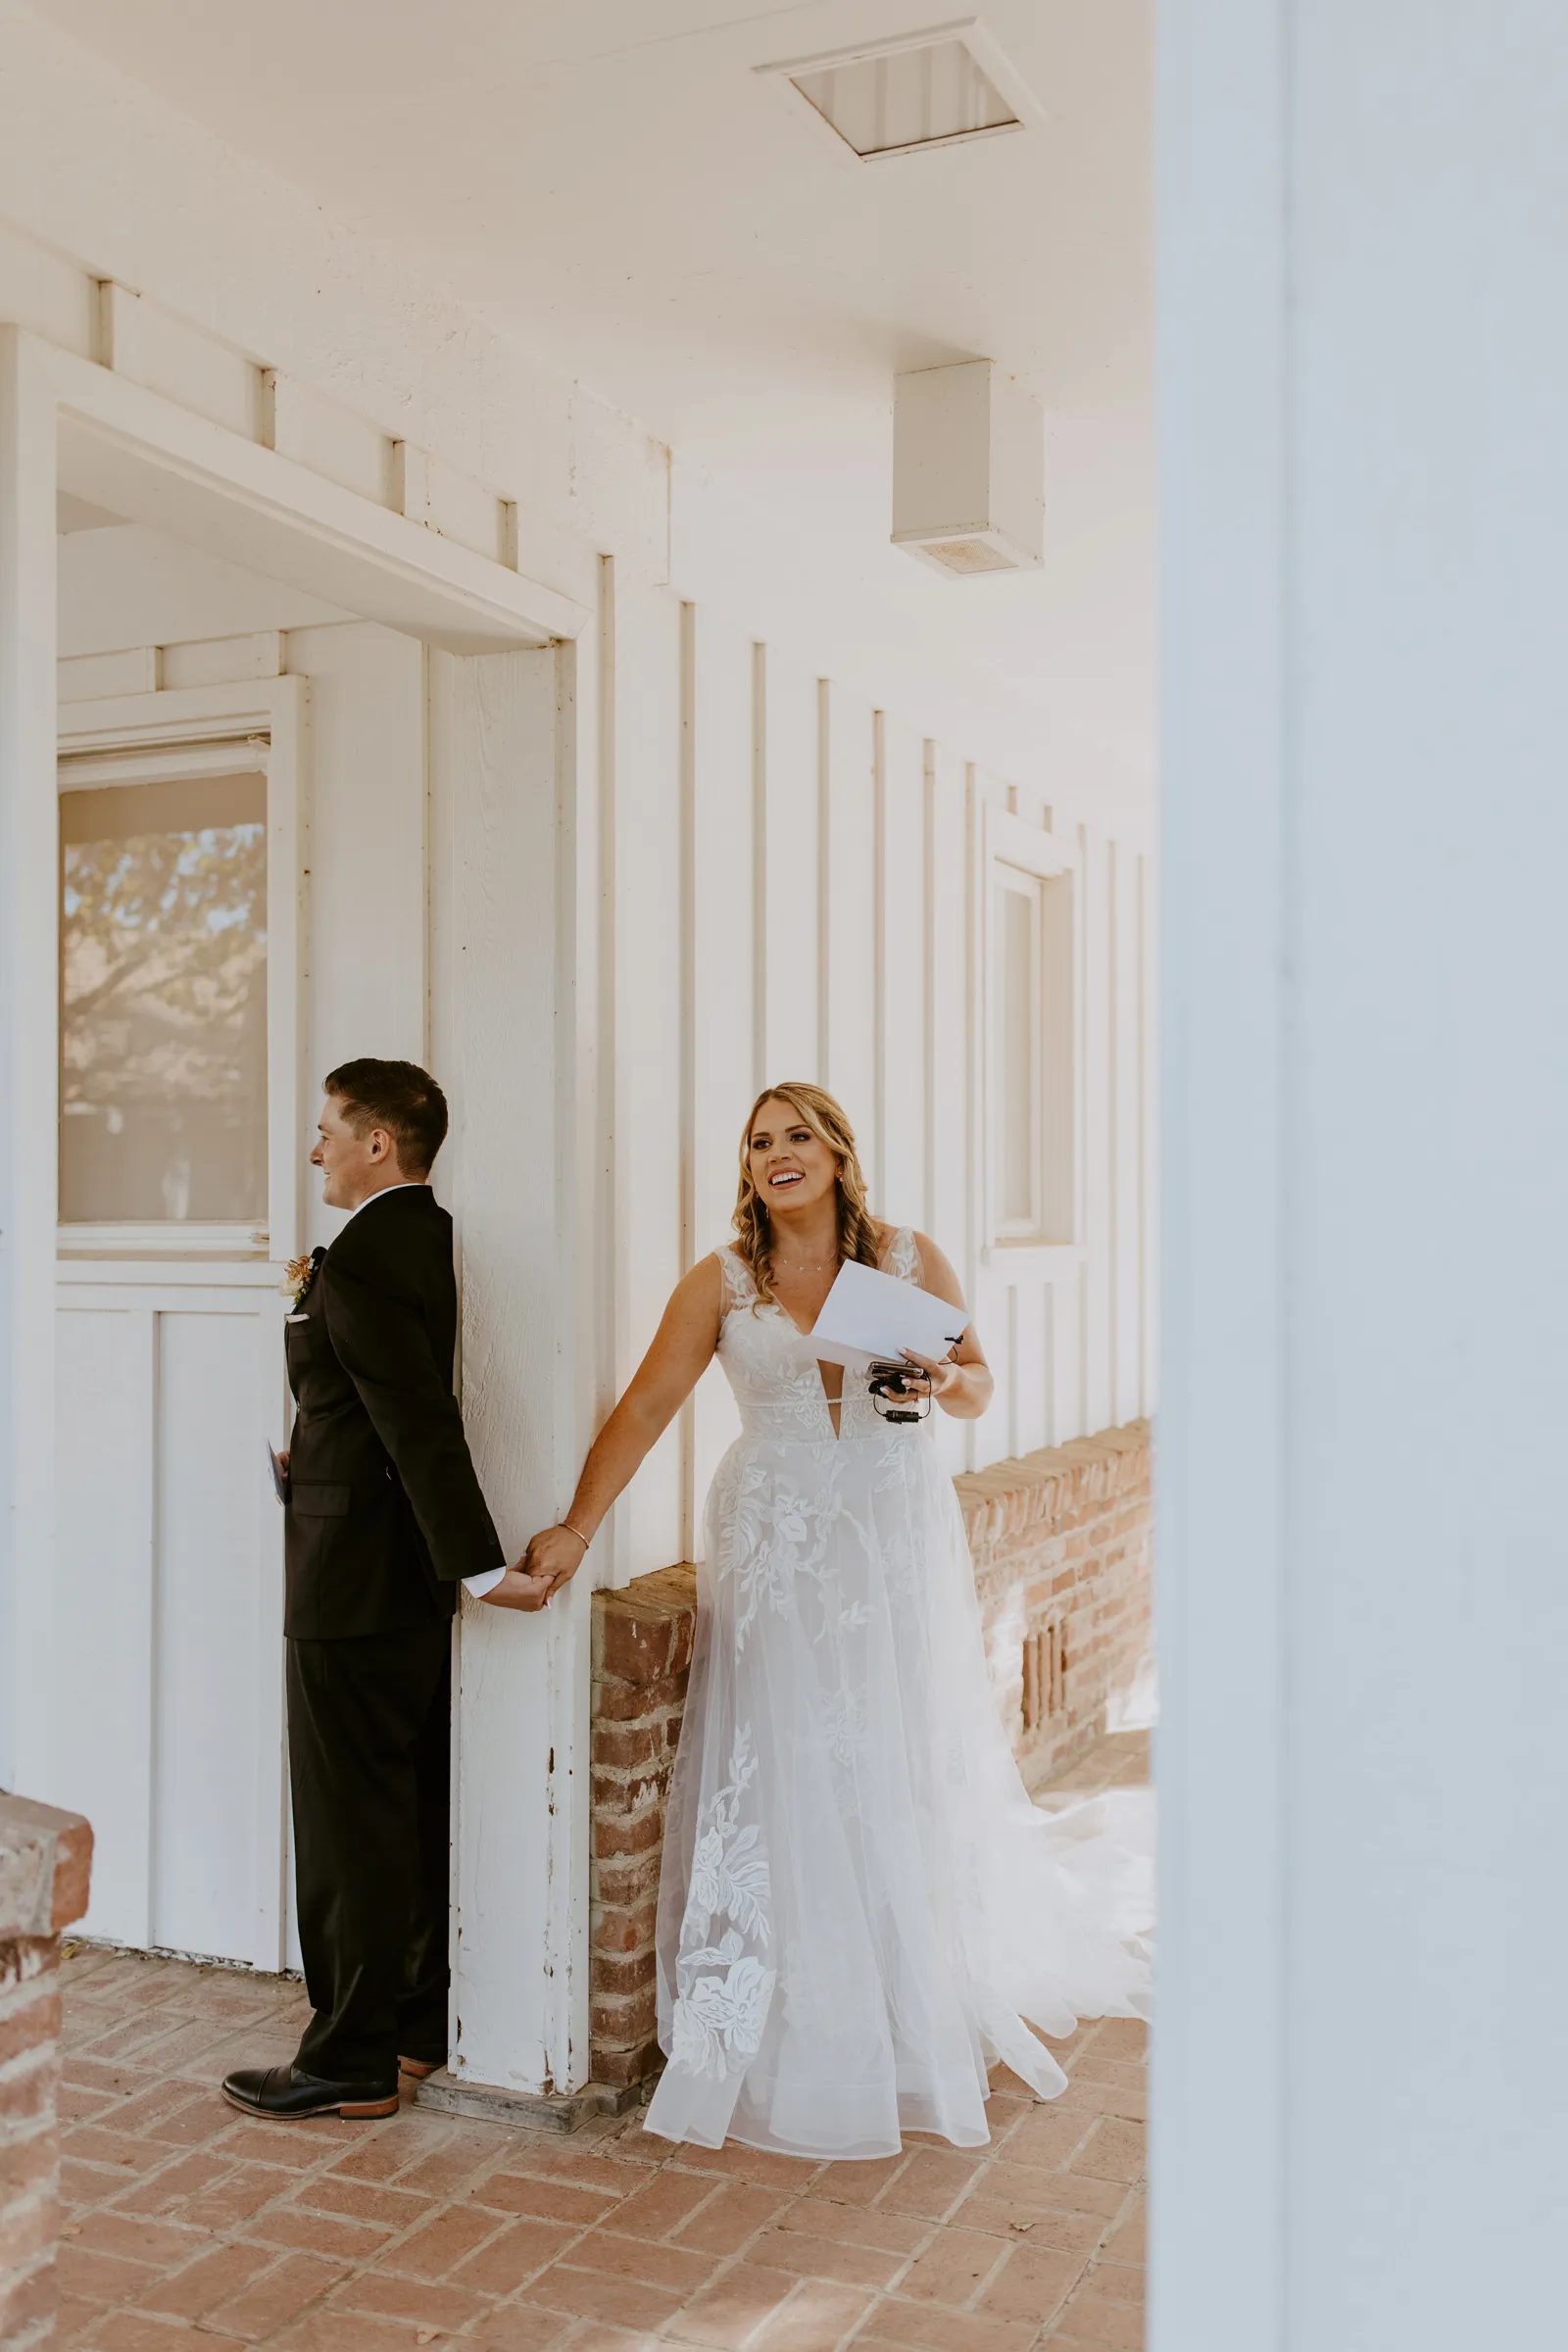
(186, 2222)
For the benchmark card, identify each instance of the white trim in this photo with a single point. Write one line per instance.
(1032, 1262)
(977, 1078)
(1007, 840)
(161, 1237)
(80, 770)
(235, 710)
(1023, 884)
(142, 456)
(104, 1281)
(1015, 843)
(257, 723)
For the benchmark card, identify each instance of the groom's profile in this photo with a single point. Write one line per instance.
(383, 1518)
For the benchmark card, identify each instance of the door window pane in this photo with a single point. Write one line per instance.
(163, 1080)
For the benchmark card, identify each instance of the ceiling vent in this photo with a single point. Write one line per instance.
(935, 88)
(969, 469)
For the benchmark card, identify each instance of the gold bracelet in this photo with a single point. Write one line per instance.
(585, 1540)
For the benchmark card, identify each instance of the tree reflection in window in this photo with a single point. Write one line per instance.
(163, 1094)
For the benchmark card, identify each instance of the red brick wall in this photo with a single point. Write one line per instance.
(1060, 1544)
(1060, 1541)
(642, 1652)
(46, 1858)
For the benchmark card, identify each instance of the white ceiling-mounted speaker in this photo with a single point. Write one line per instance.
(969, 469)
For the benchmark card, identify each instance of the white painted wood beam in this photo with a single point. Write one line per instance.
(138, 454)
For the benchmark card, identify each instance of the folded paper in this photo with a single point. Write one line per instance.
(868, 1317)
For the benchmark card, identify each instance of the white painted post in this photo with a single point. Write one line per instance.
(30, 855)
(503, 964)
(1361, 2061)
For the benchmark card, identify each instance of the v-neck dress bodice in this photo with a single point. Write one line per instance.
(858, 1904)
(772, 1368)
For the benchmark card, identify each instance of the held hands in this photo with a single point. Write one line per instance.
(551, 1560)
(554, 1557)
(517, 1590)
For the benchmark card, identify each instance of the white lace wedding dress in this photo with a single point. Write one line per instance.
(858, 1904)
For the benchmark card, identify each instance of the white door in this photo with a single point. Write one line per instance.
(179, 1147)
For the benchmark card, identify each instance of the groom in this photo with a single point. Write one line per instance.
(383, 1518)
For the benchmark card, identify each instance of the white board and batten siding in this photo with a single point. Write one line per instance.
(798, 886)
(607, 891)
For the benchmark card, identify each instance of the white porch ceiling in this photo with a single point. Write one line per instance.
(611, 183)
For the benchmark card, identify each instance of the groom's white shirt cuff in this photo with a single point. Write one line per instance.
(489, 1578)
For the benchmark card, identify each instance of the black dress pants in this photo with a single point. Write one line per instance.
(369, 1753)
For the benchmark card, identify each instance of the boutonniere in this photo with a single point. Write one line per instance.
(298, 1275)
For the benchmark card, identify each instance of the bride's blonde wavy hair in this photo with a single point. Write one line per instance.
(816, 1108)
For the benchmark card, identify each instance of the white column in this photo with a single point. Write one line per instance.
(1361, 2059)
(503, 1027)
(29, 853)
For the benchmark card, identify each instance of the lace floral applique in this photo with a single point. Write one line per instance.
(846, 1733)
(738, 1288)
(717, 2026)
(724, 1991)
(903, 1255)
(780, 1535)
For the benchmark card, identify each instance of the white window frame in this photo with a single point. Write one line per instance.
(238, 728)
(1052, 1240)
(1028, 889)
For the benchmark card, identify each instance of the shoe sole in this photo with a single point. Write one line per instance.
(352, 2111)
(419, 2067)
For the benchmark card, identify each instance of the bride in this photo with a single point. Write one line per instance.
(859, 1905)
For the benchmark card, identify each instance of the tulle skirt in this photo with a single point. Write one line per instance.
(860, 1907)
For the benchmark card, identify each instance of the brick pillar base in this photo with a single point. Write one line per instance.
(45, 1861)
(1060, 1543)
(642, 1652)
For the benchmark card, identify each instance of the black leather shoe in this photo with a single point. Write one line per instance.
(288, 2093)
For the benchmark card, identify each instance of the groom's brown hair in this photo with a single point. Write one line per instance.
(401, 1098)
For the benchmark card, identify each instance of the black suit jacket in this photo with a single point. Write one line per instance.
(385, 1513)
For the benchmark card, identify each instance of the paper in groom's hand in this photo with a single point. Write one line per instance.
(278, 1464)
(870, 1317)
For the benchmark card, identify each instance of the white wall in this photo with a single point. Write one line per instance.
(763, 876)
(795, 885)
(1361, 2062)
(504, 968)
(793, 880)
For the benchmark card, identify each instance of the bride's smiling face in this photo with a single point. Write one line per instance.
(791, 1166)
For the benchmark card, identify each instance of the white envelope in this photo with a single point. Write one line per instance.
(869, 1318)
